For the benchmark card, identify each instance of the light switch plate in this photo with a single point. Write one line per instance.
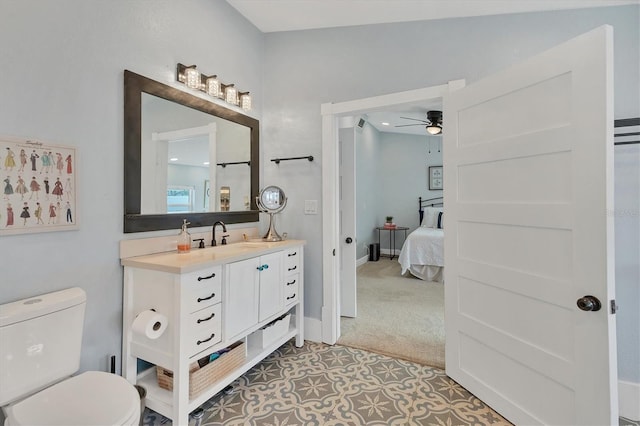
(310, 206)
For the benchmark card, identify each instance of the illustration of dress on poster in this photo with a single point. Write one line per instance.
(38, 187)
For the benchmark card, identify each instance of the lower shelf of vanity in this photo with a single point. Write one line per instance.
(161, 400)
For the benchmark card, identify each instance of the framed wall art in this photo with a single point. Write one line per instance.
(38, 187)
(435, 177)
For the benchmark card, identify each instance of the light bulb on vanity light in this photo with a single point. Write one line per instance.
(192, 78)
(245, 101)
(231, 95)
(213, 86)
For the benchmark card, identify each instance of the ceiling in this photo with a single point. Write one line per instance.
(289, 15)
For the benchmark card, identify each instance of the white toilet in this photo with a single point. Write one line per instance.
(40, 341)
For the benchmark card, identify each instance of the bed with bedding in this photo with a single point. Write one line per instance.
(422, 253)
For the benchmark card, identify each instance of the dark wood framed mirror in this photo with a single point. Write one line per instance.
(140, 214)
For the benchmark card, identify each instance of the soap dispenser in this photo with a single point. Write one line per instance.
(184, 239)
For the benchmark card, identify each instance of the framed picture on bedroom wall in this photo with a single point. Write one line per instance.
(435, 177)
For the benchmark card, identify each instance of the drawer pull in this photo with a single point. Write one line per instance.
(202, 299)
(292, 282)
(292, 254)
(207, 278)
(199, 342)
(291, 297)
(293, 269)
(206, 319)
(262, 267)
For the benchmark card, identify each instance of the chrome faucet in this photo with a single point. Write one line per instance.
(213, 234)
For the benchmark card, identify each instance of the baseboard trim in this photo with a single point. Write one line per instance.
(362, 261)
(388, 252)
(629, 400)
(312, 329)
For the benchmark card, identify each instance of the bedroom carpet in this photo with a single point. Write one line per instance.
(402, 317)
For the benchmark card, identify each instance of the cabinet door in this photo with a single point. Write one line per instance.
(271, 285)
(241, 299)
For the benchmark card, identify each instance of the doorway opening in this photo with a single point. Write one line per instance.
(337, 248)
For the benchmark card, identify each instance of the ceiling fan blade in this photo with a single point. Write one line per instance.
(407, 125)
(415, 119)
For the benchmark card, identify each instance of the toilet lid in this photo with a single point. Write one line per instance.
(91, 398)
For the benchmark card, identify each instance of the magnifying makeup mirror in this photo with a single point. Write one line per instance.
(271, 200)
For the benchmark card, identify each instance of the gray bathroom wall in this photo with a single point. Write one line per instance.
(62, 82)
(304, 69)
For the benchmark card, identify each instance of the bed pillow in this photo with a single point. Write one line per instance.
(430, 217)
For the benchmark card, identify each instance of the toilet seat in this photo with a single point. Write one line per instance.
(91, 398)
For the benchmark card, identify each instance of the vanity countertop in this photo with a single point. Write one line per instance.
(179, 263)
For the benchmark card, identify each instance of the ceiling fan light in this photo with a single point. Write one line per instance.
(434, 129)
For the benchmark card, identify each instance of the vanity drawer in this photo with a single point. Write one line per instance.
(291, 288)
(202, 288)
(292, 260)
(205, 329)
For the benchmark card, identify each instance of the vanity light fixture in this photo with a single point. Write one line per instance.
(192, 78)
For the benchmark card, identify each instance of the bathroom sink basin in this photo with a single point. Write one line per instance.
(201, 255)
(258, 244)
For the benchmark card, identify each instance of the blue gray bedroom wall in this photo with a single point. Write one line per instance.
(391, 173)
(304, 69)
(367, 188)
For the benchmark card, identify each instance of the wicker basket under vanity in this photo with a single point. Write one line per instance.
(202, 378)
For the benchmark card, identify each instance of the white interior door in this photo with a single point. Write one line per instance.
(528, 157)
(348, 303)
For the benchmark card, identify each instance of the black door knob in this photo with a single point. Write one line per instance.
(589, 303)
(348, 240)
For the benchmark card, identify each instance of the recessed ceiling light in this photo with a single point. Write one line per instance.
(384, 123)
(173, 159)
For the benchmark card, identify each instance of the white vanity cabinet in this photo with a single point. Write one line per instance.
(212, 298)
(254, 292)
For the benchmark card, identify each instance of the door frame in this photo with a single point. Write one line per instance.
(331, 113)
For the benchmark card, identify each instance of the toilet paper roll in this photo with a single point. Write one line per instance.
(150, 324)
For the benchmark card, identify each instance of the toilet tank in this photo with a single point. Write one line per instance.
(40, 342)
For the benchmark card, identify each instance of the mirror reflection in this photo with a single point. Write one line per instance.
(169, 135)
(188, 156)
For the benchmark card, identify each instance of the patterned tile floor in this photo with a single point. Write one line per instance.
(336, 385)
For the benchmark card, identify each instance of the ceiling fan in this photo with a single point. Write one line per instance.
(433, 123)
